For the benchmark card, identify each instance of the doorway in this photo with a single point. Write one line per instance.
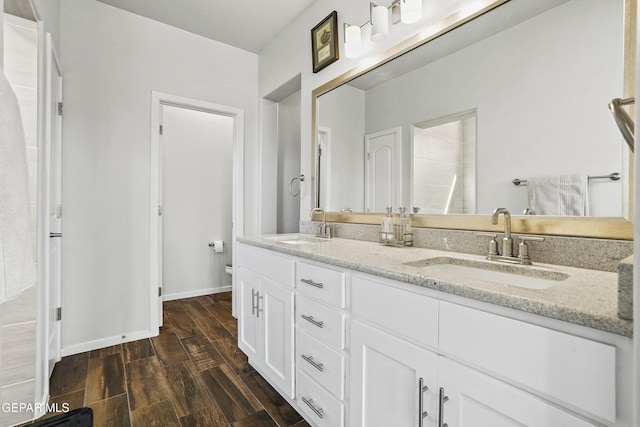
(196, 198)
(383, 170)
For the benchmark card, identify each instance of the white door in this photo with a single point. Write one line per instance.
(475, 399)
(248, 285)
(386, 377)
(54, 208)
(383, 170)
(275, 309)
(196, 201)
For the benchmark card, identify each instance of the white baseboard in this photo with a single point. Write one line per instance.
(198, 293)
(104, 342)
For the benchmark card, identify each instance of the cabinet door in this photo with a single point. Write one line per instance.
(385, 373)
(276, 314)
(248, 284)
(476, 399)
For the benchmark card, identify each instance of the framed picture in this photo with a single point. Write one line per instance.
(324, 42)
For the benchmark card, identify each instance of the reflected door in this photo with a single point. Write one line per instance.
(383, 170)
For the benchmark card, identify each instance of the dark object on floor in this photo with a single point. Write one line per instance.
(82, 417)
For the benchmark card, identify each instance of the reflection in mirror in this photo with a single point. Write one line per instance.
(537, 76)
(444, 165)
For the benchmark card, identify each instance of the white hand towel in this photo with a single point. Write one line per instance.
(17, 270)
(563, 195)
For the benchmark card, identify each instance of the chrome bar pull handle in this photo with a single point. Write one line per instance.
(258, 309)
(441, 401)
(309, 359)
(310, 319)
(312, 283)
(309, 402)
(421, 412)
(253, 301)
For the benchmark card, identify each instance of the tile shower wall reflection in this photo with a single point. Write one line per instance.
(444, 166)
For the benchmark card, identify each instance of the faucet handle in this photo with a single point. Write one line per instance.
(493, 244)
(523, 248)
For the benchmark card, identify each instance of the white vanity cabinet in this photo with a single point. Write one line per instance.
(320, 342)
(392, 380)
(352, 349)
(432, 363)
(266, 315)
(475, 399)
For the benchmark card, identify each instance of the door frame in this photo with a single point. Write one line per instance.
(158, 99)
(47, 62)
(323, 154)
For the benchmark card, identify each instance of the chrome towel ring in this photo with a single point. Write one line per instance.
(300, 179)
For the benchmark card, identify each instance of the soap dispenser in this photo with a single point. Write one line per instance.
(403, 228)
(388, 225)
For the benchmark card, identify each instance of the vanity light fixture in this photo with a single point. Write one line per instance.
(410, 11)
(407, 11)
(379, 16)
(352, 41)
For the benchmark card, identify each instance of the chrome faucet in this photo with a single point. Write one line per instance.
(323, 230)
(507, 241)
(506, 255)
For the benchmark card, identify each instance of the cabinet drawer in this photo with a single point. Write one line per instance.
(322, 363)
(573, 370)
(267, 264)
(406, 313)
(320, 321)
(317, 404)
(322, 283)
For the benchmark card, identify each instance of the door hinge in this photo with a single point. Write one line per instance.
(159, 210)
(161, 129)
(159, 291)
(368, 156)
(60, 108)
(59, 313)
(59, 211)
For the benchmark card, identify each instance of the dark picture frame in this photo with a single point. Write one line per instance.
(324, 42)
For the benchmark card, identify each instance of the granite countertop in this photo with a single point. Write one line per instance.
(585, 297)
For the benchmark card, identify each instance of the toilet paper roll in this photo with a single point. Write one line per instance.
(218, 246)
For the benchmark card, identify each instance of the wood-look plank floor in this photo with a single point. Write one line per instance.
(191, 375)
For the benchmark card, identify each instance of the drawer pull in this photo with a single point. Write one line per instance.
(421, 412)
(254, 293)
(312, 283)
(310, 319)
(441, 401)
(309, 359)
(309, 402)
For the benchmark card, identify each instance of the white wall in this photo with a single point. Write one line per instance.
(343, 112)
(521, 134)
(288, 163)
(112, 60)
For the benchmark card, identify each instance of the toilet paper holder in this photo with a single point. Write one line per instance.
(217, 245)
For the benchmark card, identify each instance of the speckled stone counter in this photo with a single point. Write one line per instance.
(625, 288)
(585, 297)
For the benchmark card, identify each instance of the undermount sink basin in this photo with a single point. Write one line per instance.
(505, 274)
(297, 240)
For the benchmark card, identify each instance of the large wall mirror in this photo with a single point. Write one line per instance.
(499, 110)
